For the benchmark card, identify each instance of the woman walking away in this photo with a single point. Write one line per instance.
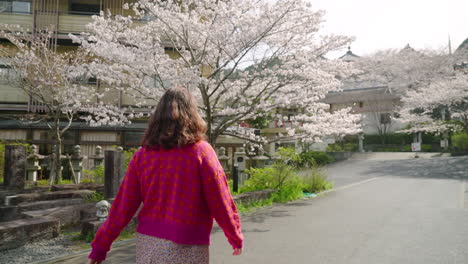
(181, 185)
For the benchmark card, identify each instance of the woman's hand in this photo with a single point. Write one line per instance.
(92, 261)
(237, 252)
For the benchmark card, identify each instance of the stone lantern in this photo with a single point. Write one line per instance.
(98, 157)
(240, 159)
(223, 159)
(77, 162)
(260, 160)
(32, 166)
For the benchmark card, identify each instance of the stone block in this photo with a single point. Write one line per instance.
(66, 215)
(88, 212)
(41, 205)
(82, 186)
(249, 197)
(9, 213)
(43, 196)
(15, 166)
(16, 233)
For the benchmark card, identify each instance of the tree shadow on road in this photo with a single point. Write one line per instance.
(436, 168)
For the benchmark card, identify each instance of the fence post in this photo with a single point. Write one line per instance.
(114, 171)
(235, 177)
(15, 166)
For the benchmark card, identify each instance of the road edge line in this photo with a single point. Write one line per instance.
(349, 185)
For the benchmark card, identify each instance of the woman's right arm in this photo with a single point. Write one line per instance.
(218, 196)
(123, 209)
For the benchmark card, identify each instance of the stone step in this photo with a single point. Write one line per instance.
(16, 233)
(65, 214)
(41, 205)
(45, 196)
(5, 193)
(81, 186)
(9, 213)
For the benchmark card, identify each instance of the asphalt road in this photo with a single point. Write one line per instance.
(382, 211)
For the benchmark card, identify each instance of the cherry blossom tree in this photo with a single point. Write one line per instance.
(430, 108)
(52, 80)
(406, 69)
(432, 89)
(241, 59)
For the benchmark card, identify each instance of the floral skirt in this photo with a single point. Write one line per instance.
(153, 250)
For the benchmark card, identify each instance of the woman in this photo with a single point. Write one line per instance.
(177, 177)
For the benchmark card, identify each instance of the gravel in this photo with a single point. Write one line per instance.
(40, 250)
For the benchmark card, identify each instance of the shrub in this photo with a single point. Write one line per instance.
(43, 182)
(394, 138)
(129, 155)
(310, 159)
(97, 174)
(335, 148)
(94, 197)
(280, 177)
(460, 142)
(66, 182)
(338, 147)
(268, 178)
(291, 190)
(87, 180)
(316, 181)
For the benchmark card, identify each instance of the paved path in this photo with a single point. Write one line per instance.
(403, 211)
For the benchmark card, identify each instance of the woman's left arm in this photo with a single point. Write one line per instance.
(123, 209)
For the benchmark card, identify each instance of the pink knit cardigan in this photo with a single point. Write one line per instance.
(182, 190)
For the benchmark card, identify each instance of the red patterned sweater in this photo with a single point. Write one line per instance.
(182, 190)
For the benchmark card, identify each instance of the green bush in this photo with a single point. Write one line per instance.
(87, 180)
(66, 182)
(280, 177)
(43, 182)
(316, 181)
(274, 177)
(94, 197)
(129, 155)
(394, 138)
(460, 142)
(338, 147)
(96, 175)
(311, 158)
(291, 190)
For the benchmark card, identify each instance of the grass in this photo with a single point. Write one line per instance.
(249, 207)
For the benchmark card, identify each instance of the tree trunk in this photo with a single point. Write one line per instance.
(58, 153)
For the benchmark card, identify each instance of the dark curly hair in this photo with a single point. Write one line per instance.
(175, 122)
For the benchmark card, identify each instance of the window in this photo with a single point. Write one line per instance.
(15, 6)
(385, 118)
(133, 138)
(84, 9)
(85, 80)
(7, 74)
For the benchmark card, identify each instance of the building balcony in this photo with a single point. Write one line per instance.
(65, 22)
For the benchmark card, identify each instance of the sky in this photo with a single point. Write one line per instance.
(384, 24)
